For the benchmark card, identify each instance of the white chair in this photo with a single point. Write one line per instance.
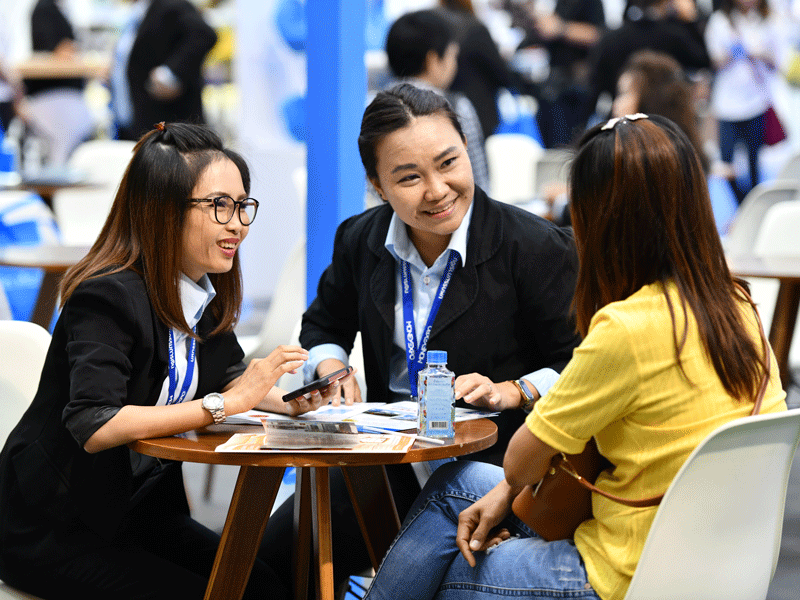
(287, 306)
(779, 235)
(81, 213)
(552, 168)
(512, 159)
(741, 237)
(747, 221)
(20, 371)
(791, 170)
(26, 346)
(717, 532)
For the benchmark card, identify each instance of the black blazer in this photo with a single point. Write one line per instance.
(506, 312)
(108, 350)
(172, 33)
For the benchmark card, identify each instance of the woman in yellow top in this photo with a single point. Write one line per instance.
(671, 351)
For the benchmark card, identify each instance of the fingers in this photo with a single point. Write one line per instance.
(350, 391)
(496, 537)
(477, 389)
(311, 402)
(463, 536)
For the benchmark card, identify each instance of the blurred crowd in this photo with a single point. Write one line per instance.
(725, 70)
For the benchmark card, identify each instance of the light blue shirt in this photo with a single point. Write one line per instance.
(195, 297)
(120, 92)
(425, 283)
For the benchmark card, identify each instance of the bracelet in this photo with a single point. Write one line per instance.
(524, 393)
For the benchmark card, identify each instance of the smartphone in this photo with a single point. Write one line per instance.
(318, 384)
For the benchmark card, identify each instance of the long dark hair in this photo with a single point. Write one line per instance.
(664, 90)
(143, 229)
(728, 6)
(642, 215)
(394, 109)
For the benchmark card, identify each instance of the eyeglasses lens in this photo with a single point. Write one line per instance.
(224, 208)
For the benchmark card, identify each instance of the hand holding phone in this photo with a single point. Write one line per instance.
(317, 384)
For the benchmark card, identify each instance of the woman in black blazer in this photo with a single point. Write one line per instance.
(172, 41)
(146, 327)
(504, 317)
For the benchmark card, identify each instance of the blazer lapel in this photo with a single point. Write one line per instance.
(382, 279)
(485, 237)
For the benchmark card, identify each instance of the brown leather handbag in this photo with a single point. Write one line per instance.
(562, 500)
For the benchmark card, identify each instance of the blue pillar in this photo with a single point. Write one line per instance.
(337, 88)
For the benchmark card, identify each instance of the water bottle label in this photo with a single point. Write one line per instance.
(438, 404)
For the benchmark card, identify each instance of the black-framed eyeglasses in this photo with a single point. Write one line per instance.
(225, 207)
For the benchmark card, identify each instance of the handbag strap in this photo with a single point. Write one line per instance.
(562, 462)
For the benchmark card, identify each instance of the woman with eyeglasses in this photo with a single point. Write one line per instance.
(144, 347)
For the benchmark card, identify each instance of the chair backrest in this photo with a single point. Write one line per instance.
(779, 234)
(747, 221)
(512, 166)
(287, 306)
(552, 168)
(104, 161)
(81, 213)
(791, 170)
(20, 369)
(717, 532)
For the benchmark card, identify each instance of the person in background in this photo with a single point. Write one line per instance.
(143, 347)
(482, 70)
(567, 33)
(505, 278)
(654, 83)
(742, 41)
(670, 344)
(157, 69)
(56, 108)
(668, 26)
(422, 50)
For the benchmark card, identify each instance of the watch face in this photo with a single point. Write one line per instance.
(213, 402)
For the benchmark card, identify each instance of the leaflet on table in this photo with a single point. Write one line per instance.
(395, 416)
(399, 416)
(325, 413)
(367, 442)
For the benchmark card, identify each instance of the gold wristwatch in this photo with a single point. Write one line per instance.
(525, 393)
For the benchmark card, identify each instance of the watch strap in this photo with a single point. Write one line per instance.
(525, 393)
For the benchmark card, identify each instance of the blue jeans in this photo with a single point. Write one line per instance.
(751, 134)
(424, 562)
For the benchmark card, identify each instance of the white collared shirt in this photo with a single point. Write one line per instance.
(195, 297)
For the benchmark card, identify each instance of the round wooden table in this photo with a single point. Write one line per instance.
(257, 486)
(785, 269)
(54, 261)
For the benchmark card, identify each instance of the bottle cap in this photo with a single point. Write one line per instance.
(438, 357)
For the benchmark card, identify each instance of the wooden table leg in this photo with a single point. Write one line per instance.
(251, 504)
(302, 531)
(323, 545)
(374, 507)
(783, 324)
(46, 300)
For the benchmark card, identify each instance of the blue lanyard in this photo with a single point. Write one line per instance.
(173, 370)
(415, 354)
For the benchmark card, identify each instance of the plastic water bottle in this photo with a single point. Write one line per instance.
(9, 162)
(437, 397)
